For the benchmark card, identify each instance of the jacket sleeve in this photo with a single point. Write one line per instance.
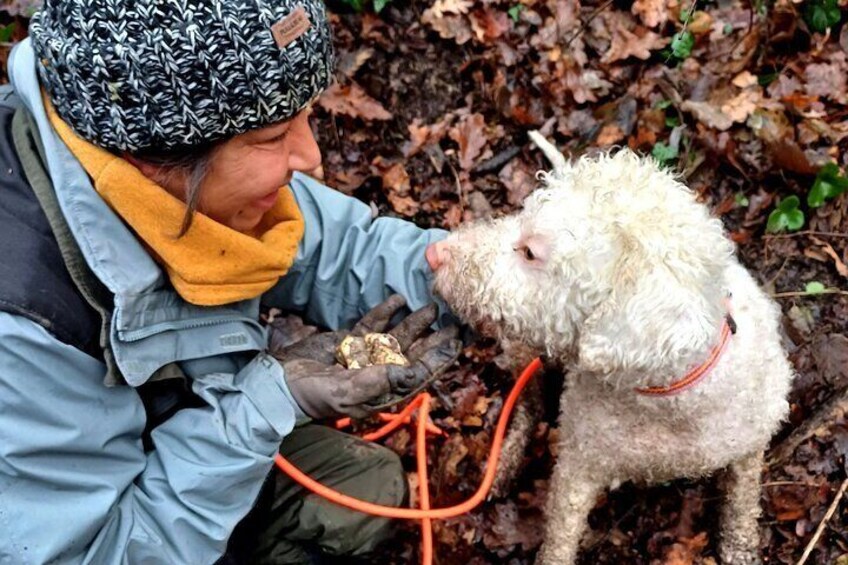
(349, 262)
(75, 483)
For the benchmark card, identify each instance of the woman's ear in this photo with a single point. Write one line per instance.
(171, 179)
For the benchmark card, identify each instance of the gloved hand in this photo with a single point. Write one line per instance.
(323, 388)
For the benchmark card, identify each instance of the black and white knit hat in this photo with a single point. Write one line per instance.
(140, 74)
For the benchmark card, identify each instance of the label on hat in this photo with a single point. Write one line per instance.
(291, 27)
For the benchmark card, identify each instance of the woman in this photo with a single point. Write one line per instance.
(151, 202)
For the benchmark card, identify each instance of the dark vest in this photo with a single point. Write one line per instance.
(35, 279)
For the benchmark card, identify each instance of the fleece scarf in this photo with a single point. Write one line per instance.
(211, 264)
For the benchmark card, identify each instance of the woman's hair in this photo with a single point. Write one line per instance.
(193, 161)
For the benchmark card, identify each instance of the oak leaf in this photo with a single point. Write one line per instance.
(351, 100)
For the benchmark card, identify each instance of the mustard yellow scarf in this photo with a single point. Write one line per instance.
(211, 264)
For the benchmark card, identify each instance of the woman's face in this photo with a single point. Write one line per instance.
(247, 171)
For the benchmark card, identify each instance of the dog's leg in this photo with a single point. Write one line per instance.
(528, 413)
(572, 496)
(740, 484)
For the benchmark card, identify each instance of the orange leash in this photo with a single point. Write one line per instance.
(425, 513)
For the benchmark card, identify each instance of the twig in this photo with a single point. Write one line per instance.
(806, 232)
(809, 294)
(830, 511)
(832, 411)
(791, 484)
(585, 24)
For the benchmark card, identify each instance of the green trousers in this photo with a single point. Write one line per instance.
(291, 525)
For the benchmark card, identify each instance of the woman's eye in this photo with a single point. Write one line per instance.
(280, 137)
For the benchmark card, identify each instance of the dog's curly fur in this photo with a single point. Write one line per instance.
(614, 270)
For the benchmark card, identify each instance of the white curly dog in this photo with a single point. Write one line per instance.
(673, 354)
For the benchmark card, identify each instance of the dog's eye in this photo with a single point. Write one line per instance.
(526, 252)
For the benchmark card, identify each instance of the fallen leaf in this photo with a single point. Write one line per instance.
(470, 134)
(708, 114)
(828, 80)
(351, 100)
(488, 24)
(609, 135)
(626, 44)
(449, 27)
(418, 136)
(831, 252)
(652, 12)
(518, 179)
(403, 205)
(742, 105)
(686, 550)
(442, 7)
(831, 356)
(350, 62)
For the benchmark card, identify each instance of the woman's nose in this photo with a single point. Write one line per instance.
(304, 156)
(437, 254)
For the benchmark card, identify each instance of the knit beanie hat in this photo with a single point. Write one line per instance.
(141, 74)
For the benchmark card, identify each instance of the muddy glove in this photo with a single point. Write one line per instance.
(323, 388)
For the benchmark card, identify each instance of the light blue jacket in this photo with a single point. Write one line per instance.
(75, 483)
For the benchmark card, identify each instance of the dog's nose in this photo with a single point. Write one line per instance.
(436, 254)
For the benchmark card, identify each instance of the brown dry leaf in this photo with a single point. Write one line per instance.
(470, 134)
(609, 135)
(449, 27)
(518, 179)
(828, 80)
(350, 62)
(686, 550)
(652, 12)
(831, 252)
(831, 355)
(742, 105)
(418, 136)
(627, 44)
(445, 17)
(488, 24)
(701, 22)
(707, 114)
(403, 205)
(454, 451)
(442, 7)
(351, 100)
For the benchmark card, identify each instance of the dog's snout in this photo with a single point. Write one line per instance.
(437, 254)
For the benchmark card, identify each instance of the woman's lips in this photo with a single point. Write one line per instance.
(267, 202)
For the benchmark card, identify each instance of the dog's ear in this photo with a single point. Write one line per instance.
(552, 154)
(656, 318)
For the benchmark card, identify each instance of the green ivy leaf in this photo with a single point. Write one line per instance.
(664, 153)
(515, 12)
(822, 14)
(786, 216)
(380, 4)
(357, 5)
(814, 287)
(767, 78)
(682, 44)
(6, 32)
(828, 184)
(672, 121)
(662, 104)
(741, 200)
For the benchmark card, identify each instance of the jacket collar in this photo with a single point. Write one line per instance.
(110, 249)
